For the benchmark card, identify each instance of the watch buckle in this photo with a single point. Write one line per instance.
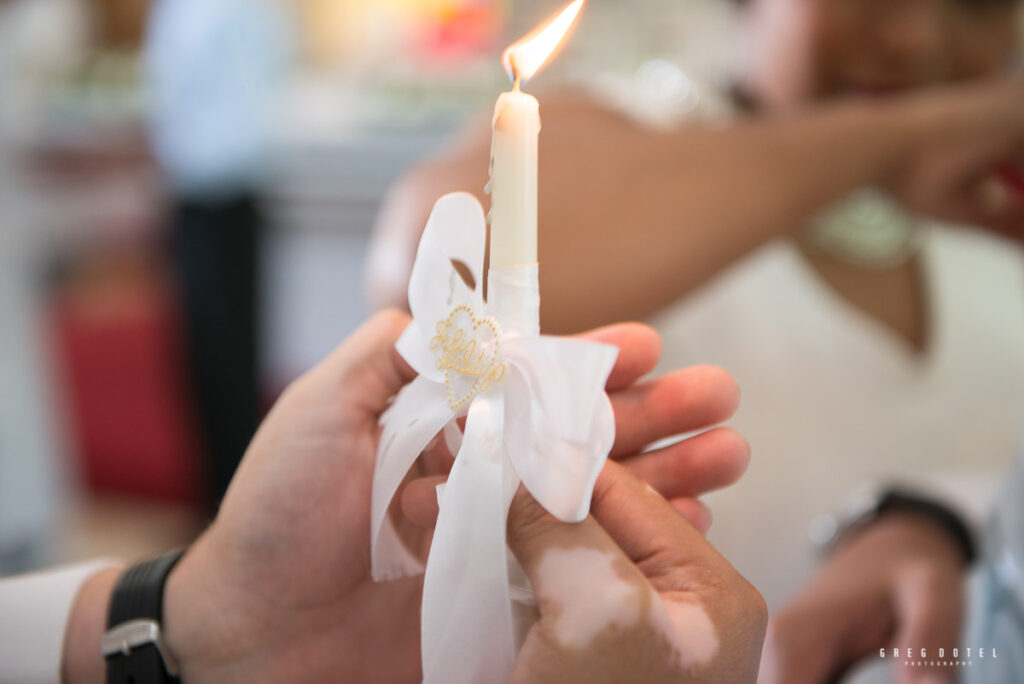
(126, 636)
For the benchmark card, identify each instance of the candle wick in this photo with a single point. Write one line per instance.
(515, 72)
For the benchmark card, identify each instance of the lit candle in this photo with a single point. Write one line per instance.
(513, 183)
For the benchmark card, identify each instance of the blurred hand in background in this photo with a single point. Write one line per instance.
(899, 584)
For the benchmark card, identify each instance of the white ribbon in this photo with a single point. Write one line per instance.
(536, 412)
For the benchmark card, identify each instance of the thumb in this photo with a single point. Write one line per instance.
(366, 367)
(561, 558)
(630, 521)
(929, 612)
(649, 528)
(569, 564)
(588, 591)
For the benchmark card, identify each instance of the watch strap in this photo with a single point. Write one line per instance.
(133, 645)
(905, 502)
(900, 501)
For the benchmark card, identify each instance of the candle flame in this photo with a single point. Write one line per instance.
(524, 58)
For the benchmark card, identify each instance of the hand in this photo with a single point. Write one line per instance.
(897, 584)
(958, 139)
(682, 401)
(631, 594)
(279, 589)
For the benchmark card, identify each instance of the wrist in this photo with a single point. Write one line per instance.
(872, 139)
(923, 535)
(907, 536)
(918, 517)
(933, 518)
(895, 129)
(201, 625)
(186, 633)
(82, 661)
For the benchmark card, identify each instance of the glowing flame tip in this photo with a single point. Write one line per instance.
(524, 58)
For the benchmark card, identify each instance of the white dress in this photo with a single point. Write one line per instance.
(833, 401)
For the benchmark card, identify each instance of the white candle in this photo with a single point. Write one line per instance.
(514, 180)
(516, 128)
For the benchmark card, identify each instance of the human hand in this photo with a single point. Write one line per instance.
(960, 141)
(686, 400)
(896, 584)
(279, 587)
(633, 593)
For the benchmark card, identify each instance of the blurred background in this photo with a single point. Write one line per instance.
(119, 141)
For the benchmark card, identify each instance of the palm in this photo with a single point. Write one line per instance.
(298, 516)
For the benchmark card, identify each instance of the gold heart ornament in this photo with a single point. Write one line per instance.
(466, 348)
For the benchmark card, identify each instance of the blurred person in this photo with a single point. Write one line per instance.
(40, 41)
(278, 589)
(216, 70)
(997, 589)
(779, 233)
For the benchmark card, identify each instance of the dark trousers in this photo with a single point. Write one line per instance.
(217, 255)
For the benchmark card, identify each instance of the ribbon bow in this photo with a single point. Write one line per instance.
(536, 412)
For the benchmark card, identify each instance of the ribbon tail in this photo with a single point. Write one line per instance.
(418, 413)
(523, 601)
(467, 633)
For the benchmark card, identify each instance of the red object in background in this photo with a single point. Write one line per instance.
(117, 336)
(462, 32)
(1013, 177)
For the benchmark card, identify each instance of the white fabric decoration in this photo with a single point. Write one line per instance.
(536, 412)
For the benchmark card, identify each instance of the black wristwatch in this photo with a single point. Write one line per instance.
(133, 645)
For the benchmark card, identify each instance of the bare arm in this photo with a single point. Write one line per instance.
(664, 212)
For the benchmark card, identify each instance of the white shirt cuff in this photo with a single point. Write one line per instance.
(34, 611)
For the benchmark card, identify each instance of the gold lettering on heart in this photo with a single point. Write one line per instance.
(467, 354)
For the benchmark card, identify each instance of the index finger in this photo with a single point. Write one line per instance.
(639, 350)
(681, 401)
